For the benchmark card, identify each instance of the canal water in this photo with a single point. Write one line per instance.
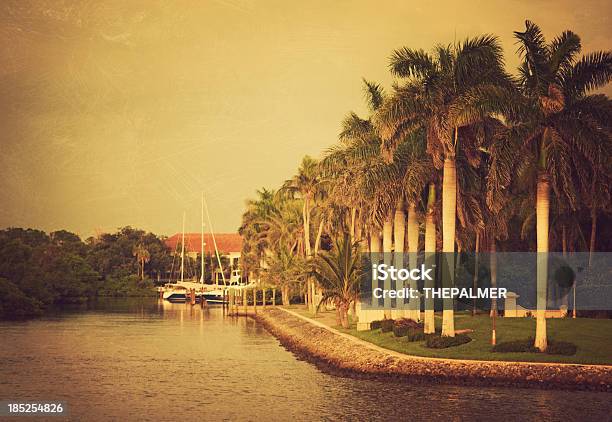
(143, 360)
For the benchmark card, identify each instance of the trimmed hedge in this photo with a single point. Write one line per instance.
(435, 341)
(515, 346)
(561, 348)
(400, 330)
(554, 347)
(386, 325)
(375, 325)
(406, 327)
(415, 334)
(406, 322)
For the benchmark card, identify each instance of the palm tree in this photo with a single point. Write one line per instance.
(254, 247)
(553, 120)
(430, 250)
(380, 185)
(305, 184)
(339, 272)
(286, 270)
(445, 94)
(142, 256)
(283, 227)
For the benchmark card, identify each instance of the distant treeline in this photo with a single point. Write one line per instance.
(39, 269)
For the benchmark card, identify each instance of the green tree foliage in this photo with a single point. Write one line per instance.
(39, 269)
(339, 272)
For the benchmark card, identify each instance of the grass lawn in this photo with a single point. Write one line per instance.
(593, 337)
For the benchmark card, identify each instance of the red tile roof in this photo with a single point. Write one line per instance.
(226, 242)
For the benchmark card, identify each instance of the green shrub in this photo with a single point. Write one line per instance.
(440, 342)
(406, 322)
(515, 346)
(415, 334)
(375, 325)
(15, 304)
(526, 345)
(561, 348)
(400, 330)
(386, 325)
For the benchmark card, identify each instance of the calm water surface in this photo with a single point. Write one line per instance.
(142, 360)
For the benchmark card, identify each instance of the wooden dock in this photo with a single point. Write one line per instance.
(245, 301)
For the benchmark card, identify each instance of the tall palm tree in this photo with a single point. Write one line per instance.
(283, 228)
(254, 247)
(430, 251)
(553, 120)
(444, 94)
(305, 184)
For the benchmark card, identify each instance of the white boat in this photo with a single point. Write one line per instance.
(180, 291)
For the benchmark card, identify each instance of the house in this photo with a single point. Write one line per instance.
(228, 244)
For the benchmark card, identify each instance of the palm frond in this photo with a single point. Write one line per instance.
(406, 62)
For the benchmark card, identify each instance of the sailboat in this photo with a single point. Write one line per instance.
(216, 294)
(180, 290)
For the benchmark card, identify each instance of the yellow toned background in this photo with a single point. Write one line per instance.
(120, 113)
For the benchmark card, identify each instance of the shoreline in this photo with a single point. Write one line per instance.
(325, 346)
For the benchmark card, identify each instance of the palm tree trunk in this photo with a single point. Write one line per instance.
(344, 315)
(593, 235)
(493, 263)
(313, 296)
(430, 252)
(307, 251)
(375, 241)
(565, 298)
(318, 239)
(374, 250)
(542, 225)
(414, 307)
(449, 214)
(399, 229)
(476, 252)
(564, 241)
(353, 212)
(387, 249)
(306, 211)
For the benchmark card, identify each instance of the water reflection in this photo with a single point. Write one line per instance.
(127, 359)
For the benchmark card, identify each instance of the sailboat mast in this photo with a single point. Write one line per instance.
(183, 249)
(212, 233)
(202, 240)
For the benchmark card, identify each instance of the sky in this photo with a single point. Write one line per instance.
(122, 112)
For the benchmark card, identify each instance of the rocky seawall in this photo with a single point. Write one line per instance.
(339, 351)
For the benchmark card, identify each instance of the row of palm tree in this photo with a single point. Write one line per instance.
(457, 139)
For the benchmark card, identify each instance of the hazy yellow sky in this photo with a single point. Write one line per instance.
(120, 113)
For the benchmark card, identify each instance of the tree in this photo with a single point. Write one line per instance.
(142, 256)
(552, 121)
(339, 272)
(305, 184)
(445, 94)
(254, 246)
(286, 270)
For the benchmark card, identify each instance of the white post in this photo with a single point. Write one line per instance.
(183, 249)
